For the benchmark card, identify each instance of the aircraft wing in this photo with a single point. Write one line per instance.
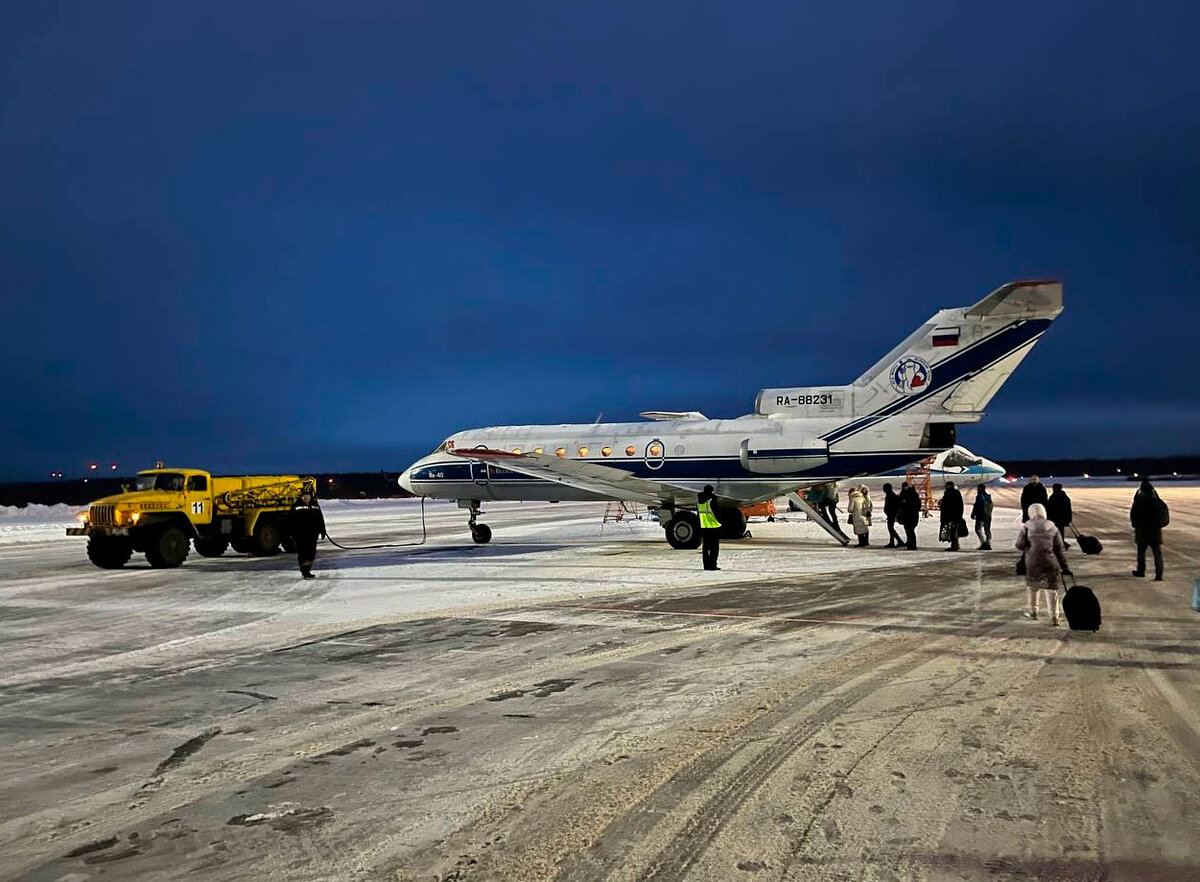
(593, 477)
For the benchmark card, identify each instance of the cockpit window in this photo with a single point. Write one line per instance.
(446, 445)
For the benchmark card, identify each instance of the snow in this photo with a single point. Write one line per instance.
(36, 523)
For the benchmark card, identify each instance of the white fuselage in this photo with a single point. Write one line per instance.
(683, 453)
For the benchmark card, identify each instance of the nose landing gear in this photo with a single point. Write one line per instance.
(481, 533)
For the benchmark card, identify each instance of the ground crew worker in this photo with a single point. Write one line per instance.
(710, 529)
(307, 523)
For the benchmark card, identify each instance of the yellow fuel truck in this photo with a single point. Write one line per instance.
(169, 509)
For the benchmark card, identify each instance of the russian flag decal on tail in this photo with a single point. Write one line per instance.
(945, 337)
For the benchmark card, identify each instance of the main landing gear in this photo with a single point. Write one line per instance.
(683, 530)
(481, 533)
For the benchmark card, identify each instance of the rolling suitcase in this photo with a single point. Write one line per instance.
(1087, 544)
(1081, 607)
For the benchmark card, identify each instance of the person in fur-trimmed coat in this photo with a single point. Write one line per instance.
(860, 514)
(1045, 561)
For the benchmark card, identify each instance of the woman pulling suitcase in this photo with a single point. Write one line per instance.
(1045, 562)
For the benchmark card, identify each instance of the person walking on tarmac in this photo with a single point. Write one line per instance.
(1045, 562)
(860, 515)
(307, 523)
(891, 510)
(1058, 510)
(1148, 515)
(710, 529)
(952, 514)
(910, 514)
(981, 514)
(1032, 493)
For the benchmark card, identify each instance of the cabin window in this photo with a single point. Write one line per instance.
(197, 482)
(562, 451)
(537, 450)
(654, 450)
(630, 450)
(606, 451)
(583, 451)
(516, 450)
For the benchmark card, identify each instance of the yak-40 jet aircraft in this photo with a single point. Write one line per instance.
(902, 410)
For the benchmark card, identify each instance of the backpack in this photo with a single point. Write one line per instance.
(1164, 514)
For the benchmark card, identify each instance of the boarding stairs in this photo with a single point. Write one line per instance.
(814, 515)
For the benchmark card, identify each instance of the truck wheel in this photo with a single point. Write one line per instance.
(289, 543)
(168, 549)
(108, 554)
(267, 537)
(210, 547)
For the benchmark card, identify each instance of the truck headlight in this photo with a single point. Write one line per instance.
(129, 517)
(82, 517)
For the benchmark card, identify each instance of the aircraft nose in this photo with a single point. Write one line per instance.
(405, 480)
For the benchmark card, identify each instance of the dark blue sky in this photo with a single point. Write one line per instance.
(325, 236)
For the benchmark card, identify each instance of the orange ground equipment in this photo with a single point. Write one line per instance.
(761, 510)
(920, 477)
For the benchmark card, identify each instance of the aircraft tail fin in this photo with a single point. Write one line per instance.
(947, 369)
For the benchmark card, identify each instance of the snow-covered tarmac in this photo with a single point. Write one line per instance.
(577, 701)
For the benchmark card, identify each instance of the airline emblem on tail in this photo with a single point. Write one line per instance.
(911, 375)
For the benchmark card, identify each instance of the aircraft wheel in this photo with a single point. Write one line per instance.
(481, 533)
(683, 531)
(733, 523)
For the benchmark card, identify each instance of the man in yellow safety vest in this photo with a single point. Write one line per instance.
(710, 529)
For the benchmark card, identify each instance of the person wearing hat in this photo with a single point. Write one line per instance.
(710, 528)
(307, 524)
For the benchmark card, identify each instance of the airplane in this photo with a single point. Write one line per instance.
(905, 408)
(957, 464)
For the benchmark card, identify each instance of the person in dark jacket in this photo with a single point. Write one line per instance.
(1033, 493)
(710, 528)
(910, 514)
(1148, 515)
(952, 514)
(1058, 510)
(307, 524)
(891, 510)
(981, 514)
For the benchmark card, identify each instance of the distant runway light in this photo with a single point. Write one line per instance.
(94, 466)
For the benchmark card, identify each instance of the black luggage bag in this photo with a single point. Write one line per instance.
(1081, 607)
(1087, 544)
